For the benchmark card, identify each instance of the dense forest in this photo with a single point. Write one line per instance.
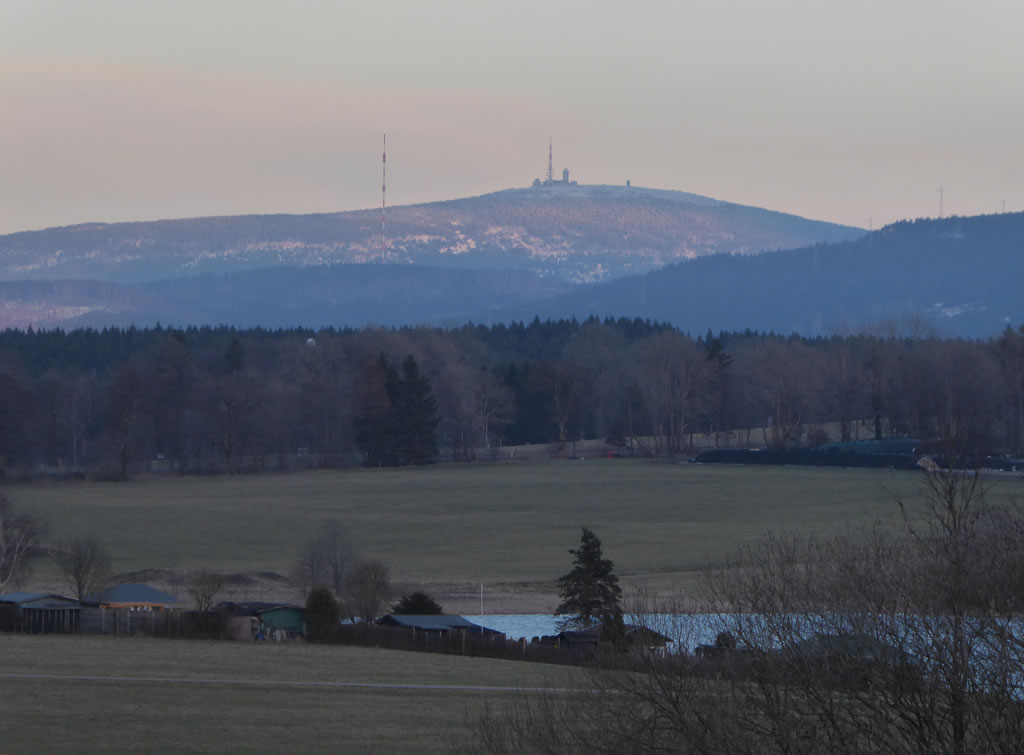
(110, 403)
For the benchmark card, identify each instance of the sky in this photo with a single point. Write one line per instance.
(857, 113)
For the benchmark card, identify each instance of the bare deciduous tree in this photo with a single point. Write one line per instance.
(203, 587)
(19, 536)
(324, 560)
(367, 588)
(84, 563)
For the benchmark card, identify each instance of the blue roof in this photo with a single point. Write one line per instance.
(433, 623)
(134, 593)
(21, 597)
(52, 599)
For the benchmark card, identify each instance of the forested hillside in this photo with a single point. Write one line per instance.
(280, 297)
(108, 403)
(961, 275)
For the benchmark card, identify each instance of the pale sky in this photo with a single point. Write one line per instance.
(117, 110)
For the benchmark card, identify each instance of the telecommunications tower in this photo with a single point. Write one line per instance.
(383, 193)
(551, 172)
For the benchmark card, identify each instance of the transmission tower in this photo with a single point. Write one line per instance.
(383, 193)
(551, 171)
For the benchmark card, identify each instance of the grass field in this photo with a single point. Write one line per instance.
(221, 715)
(496, 524)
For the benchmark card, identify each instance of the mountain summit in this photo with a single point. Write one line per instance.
(567, 232)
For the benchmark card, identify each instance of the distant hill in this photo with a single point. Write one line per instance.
(577, 234)
(963, 275)
(337, 295)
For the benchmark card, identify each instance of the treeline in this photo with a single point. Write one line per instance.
(221, 399)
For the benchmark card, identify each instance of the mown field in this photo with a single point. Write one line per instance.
(190, 696)
(496, 524)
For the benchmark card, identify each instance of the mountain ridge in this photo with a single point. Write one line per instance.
(956, 276)
(960, 275)
(573, 233)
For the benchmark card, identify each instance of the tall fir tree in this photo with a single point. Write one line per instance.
(416, 411)
(375, 421)
(396, 417)
(590, 593)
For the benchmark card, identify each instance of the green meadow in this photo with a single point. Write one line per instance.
(150, 695)
(498, 523)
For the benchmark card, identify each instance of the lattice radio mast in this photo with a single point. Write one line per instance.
(551, 171)
(383, 193)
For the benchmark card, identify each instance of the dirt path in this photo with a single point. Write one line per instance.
(280, 683)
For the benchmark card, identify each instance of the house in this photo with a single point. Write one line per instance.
(135, 597)
(435, 624)
(256, 620)
(636, 636)
(36, 612)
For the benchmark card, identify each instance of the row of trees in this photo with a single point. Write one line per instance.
(360, 586)
(214, 399)
(902, 638)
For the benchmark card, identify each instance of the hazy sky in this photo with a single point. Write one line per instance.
(127, 110)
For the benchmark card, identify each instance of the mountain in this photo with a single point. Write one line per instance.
(574, 234)
(962, 275)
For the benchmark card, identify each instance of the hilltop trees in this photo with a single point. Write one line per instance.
(590, 593)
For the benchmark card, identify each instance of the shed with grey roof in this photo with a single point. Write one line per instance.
(38, 613)
(439, 624)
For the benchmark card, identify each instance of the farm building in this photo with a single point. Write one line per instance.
(637, 637)
(257, 620)
(135, 597)
(435, 624)
(131, 609)
(35, 612)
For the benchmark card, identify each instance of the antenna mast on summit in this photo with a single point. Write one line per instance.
(383, 191)
(551, 171)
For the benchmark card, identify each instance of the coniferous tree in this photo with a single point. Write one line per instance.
(397, 416)
(416, 416)
(590, 592)
(375, 422)
(417, 604)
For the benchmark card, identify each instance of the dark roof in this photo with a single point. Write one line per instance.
(593, 634)
(134, 593)
(638, 633)
(634, 633)
(42, 599)
(433, 623)
(252, 607)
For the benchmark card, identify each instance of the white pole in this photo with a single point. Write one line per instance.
(481, 598)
